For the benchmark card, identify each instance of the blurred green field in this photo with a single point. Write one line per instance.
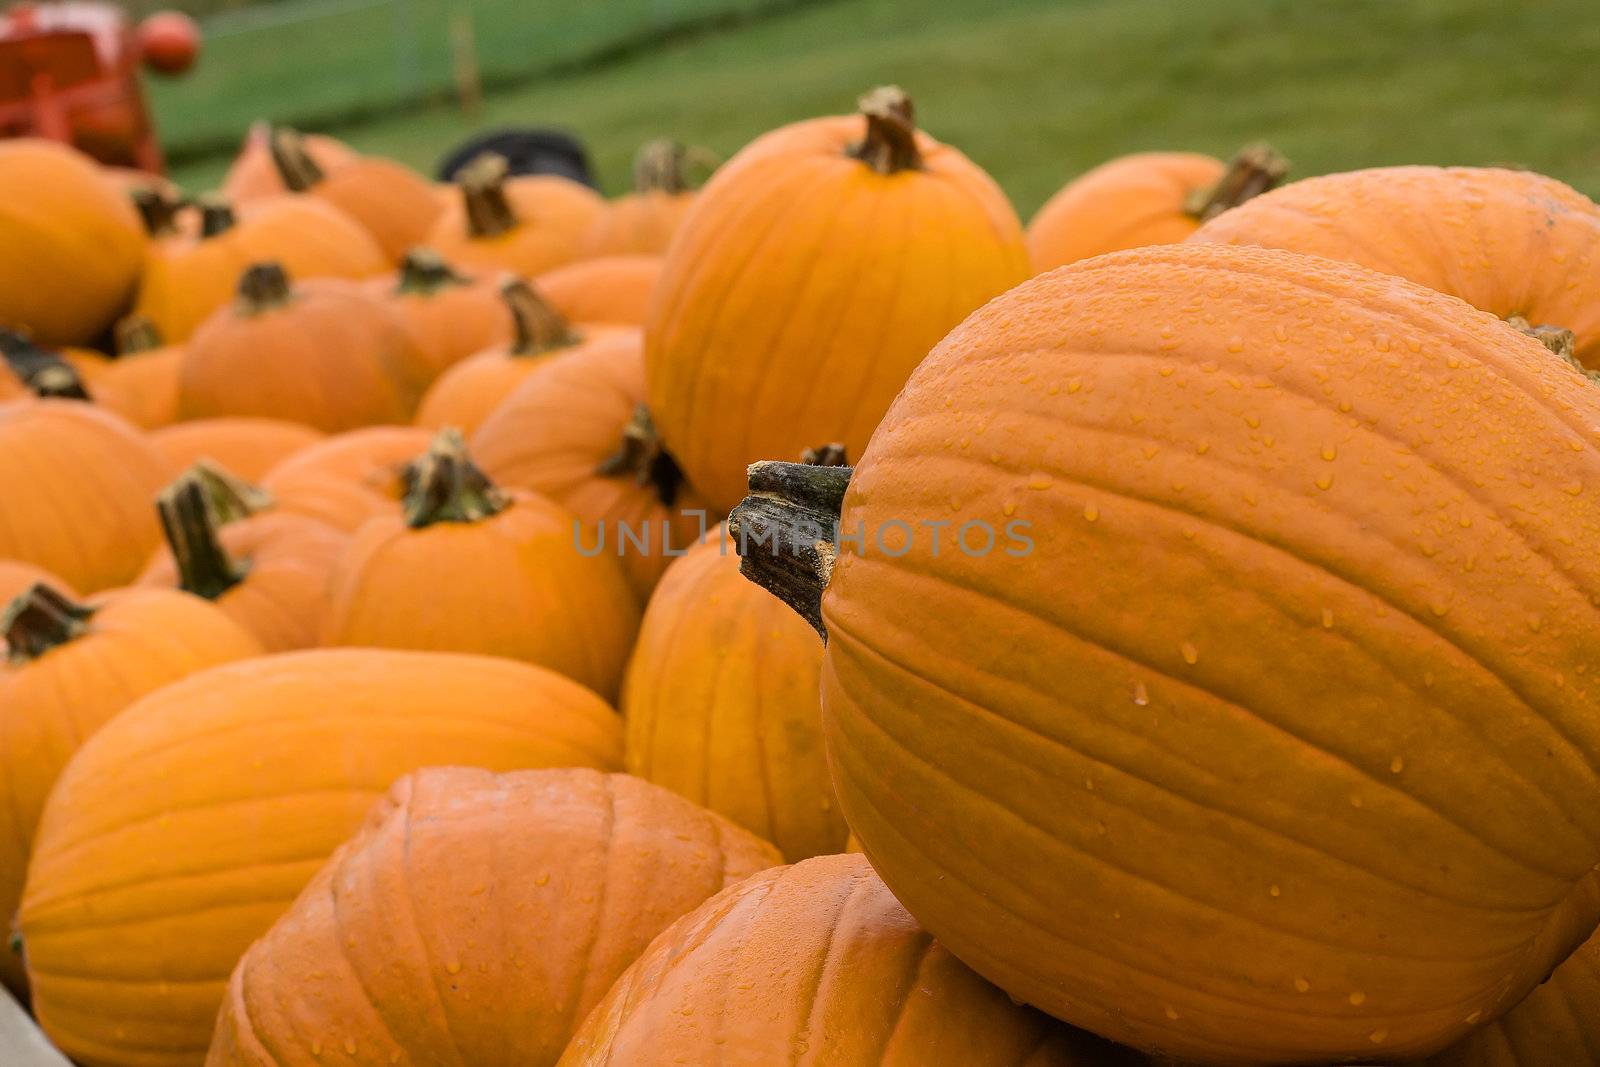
(1039, 90)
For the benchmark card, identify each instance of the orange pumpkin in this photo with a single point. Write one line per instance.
(465, 394)
(1150, 198)
(248, 447)
(350, 477)
(73, 242)
(605, 289)
(1262, 556)
(448, 315)
(268, 571)
(395, 204)
(643, 221)
(187, 825)
(569, 874)
(71, 667)
(816, 963)
(253, 175)
(324, 353)
(77, 483)
(466, 567)
(525, 225)
(17, 578)
(141, 385)
(722, 704)
(889, 238)
(1512, 243)
(575, 431)
(187, 279)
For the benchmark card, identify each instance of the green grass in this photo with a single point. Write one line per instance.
(1039, 90)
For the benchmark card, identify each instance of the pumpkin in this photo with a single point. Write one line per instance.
(1262, 556)
(887, 240)
(467, 567)
(17, 578)
(1512, 243)
(1149, 198)
(71, 667)
(253, 175)
(816, 963)
(465, 394)
(182, 829)
(350, 477)
(643, 221)
(324, 353)
(395, 204)
(576, 431)
(73, 243)
(249, 447)
(448, 315)
(604, 289)
(77, 483)
(187, 279)
(141, 385)
(525, 225)
(31, 370)
(269, 572)
(534, 889)
(721, 704)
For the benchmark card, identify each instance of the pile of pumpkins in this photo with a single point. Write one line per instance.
(433, 630)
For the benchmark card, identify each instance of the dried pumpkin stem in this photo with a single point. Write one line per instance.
(216, 216)
(229, 496)
(424, 272)
(44, 372)
(641, 456)
(158, 210)
(298, 170)
(262, 287)
(660, 166)
(890, 145)
(135, 334)
(537, 327)
(1559, 340)
(483, 192)
(446, 486)
(1255, 169)
(41, 619)
(786, 532)
(204, 566)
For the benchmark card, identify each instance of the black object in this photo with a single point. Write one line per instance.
(526, 151)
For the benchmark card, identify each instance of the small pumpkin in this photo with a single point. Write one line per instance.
(882, 239)
(73, 242)
(526, 225)
(324, 353)
(448, 315)
(141, 385)
(535, 889)
(77, 482)
(1512, 243)
(816, 963)
(642, 222)
(613, 289)
(186, 826)
(249, 447)
(71, 666)
(1148, 198)
(269, 572)
(395, 204)
(17, 578)
(467, 567)
(253, 175)
(465, 394)
(350, 477)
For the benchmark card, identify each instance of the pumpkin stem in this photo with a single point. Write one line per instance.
(158, 210)
(262, 287)
(446, 486)
(537, 326)
(135, 334)
(425, 272)
(44, 372)
(1255, 169)
(890, 145)
(659, 167)
(787, 530)
(216, 216)
(41, 619)
(1558, 339)
(298, 170)
(229, 496)
(483, 191)
(641, 456)
(204, 566)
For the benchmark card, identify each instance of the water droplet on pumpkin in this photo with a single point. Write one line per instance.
(349, 1046)
(1165, 372)
(1344, 407)
(543, 879)
(1428, 680)
(1358, 998)
(316, 1047)
(1191, 655)
(1439, 608)
(1253, 421)
(1091, 512)
(1327, 618)
(1325, 482)
(1009, 507)
(1172, 1013)
(1535, 623)
(1203, 447)
(1074, 385)
(1474, 1017)
(453, 967)
(1397, 765)
(1378, 1036)
(1574, 489)
(1040, 480)
(1302, 986)
(1053, 390)
(1355, 800)
(1274, 891)
(1236, 343)
(965, 443)
(1330, 452)
(1141, 695)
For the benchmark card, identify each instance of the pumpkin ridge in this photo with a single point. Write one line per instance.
(802, 1038)
(902, 998)
(768, 798)
(420, 939)
(356, 973)
(570, 1018)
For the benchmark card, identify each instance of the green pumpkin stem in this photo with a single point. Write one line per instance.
(43, 371)
(537, 327)
(298, 170)
(216, 216)
(135, 334)
(483, 192)
(158, 211)
(229, 496)
(204, 566)
(445, 485)
(640, 456)
(41, 619)
(890, 144)
(424, 272)
(1255, 169)
(262, 287)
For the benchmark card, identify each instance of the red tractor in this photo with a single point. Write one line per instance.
(69, 72)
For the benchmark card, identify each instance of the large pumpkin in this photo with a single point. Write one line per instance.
(525, 225)
(722, 704)
(466, 567)
(249, 447)
(183, 828)
(73, 242)
(350, 477)
(816, 964)
(77, 483)
(71, 666)
(1149, 198)
(253, 175)
(643, 221)
(1249, 561)
(532, 890)
(604, 289)
(814, 272)
(1509, 242)
(448, 315)
(324, 353)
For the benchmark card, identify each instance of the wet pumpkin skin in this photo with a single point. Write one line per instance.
(1211, 806)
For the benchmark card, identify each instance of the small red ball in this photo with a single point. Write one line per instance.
(169, 42)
